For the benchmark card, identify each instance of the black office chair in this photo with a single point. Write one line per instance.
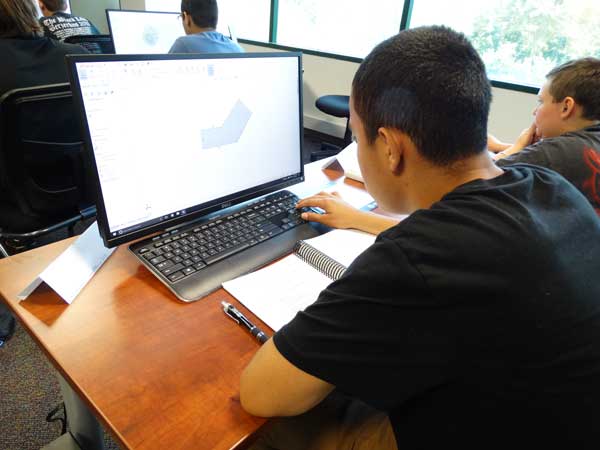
(338, 106)
(95, 43)
(44, 182)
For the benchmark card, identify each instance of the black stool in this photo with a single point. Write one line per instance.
(338, 106)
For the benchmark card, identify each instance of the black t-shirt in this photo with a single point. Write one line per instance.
(575, 155)
(63, 25)
(474, 323)
(33, 61)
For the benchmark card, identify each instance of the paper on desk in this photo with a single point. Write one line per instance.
(69, 273)
(277, 292)
(348, 159)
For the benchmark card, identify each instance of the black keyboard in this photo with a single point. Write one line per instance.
(187, 252)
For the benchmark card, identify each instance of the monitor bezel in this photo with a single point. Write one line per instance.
(202, 209)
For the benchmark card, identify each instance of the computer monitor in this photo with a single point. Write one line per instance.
(175, 137)
(145, 32)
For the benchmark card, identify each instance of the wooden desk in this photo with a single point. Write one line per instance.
(159, 373)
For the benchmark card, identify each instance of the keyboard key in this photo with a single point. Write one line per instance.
(157, 260)
(164, 265)
(230, 251)
(188, 270)
(170, 270)
(176, 277)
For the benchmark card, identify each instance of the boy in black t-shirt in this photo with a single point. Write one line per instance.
(474, 322)
(565, 135)
(58, 24)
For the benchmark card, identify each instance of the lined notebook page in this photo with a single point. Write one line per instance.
(342, 245)
(277, 292)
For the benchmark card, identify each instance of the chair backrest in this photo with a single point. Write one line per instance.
(43, 168)
(95, 43)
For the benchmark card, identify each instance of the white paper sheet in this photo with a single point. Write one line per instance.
(277, 292)
(342, 245)
(70, 272)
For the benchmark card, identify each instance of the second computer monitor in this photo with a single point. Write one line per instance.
(144, 32)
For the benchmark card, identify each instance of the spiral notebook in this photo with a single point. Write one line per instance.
(277, 292)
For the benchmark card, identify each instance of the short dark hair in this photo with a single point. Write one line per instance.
(55, 5)
(431, 84)
(204, 13)
(580, 79)
(18, 18)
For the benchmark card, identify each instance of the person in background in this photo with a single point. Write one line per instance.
(28, 57)
(473, 323)
(200, 18)
(565, 135)
(59, 24)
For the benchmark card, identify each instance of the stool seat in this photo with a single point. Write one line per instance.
(334, 105)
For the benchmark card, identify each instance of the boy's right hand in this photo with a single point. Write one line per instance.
(527, 137)
(338, 213)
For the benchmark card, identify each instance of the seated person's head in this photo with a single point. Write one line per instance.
(18, 18)
(49, 7)
(199, 15)
(425, 89)
(570, 98)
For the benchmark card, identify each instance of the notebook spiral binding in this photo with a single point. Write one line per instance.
(319, 260)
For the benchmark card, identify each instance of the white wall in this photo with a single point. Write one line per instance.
(510, 112)
(133, 4)
(94, 11)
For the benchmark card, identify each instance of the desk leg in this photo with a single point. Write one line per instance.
(83, 425)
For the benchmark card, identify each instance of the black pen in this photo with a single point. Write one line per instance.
(238, 317)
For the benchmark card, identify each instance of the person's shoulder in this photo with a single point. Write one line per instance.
(591, 132)
(569, 138)
(180, 45)
(48, 19)
(81, 19)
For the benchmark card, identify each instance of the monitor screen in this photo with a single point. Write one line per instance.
(143, 31)
(177, 136)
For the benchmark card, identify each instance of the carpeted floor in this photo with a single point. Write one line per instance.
(29, 389)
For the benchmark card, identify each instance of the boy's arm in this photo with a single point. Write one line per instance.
(495, 145)
(272, 386)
